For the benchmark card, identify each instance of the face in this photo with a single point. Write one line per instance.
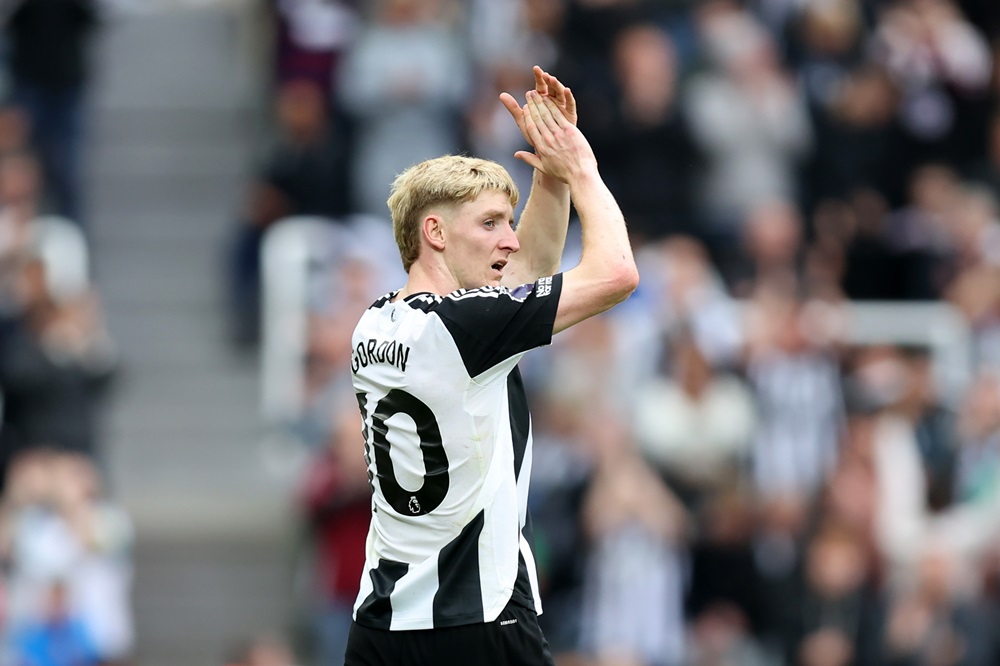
(479, 240)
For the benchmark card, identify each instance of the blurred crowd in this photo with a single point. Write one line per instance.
(721, 474)
(65, 545)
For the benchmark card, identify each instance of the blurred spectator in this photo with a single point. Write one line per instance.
(695, 425)
(792, 368)
(48, 42)
(336, 500)
(686, 293)
(404, 82)
(976, 292)
(525, 32)
(976, 227)
(642, 137)
(826, 43)
(967, 523)
(311, 38)
(560, 476)
(772, 247)
(977, 473)
(921, 235)
(934, 425)
(720, 636)
(306, 174)
(20, 198)
(57, 638)
(751, 121)
(936, 617)
(56, 362)
(857, 138)
(941, 66)
(840, 609)
(632, 606)
(67, 551)
(725, 596)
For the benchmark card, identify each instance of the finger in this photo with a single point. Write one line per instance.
(540, 84)
(533, 121)
(570, 103)
(514, 109)
(541, 117)
(529, 158)
(555, 114)
(556, 88)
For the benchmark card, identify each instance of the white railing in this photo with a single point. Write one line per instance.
(290, 248)
(295, 251)
(62, 247)
(937, 325)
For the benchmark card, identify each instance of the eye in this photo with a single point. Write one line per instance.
(490, 223)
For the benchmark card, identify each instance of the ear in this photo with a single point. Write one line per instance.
(433, 228)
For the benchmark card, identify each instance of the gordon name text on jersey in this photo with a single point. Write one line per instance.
(379, 351)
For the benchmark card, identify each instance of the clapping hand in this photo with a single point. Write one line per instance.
(546, 85)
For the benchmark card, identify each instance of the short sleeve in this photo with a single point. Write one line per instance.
(492, 324)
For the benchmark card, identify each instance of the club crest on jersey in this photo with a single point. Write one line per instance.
(414, 505)
(544, 286)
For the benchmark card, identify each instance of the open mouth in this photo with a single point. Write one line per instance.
(498, 266)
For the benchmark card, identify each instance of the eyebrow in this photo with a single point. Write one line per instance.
(496, 212)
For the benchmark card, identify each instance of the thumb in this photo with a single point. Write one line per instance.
(529, 158)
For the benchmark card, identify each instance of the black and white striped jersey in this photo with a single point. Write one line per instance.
(448, 446)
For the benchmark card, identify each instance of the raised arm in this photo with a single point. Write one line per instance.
(606, 274)
(541, 229)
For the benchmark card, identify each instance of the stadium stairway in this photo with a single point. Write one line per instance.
(172, 134)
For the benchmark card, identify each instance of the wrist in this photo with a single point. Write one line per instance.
(584, 175)
(542, 179)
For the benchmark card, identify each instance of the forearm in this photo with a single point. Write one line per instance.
(607, 273)
(606, 245)
(541, 230)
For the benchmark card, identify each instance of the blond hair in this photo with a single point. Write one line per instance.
(447, 180)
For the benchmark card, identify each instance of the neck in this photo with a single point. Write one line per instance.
(424, 278)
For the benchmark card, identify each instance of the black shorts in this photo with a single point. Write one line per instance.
(513, 639)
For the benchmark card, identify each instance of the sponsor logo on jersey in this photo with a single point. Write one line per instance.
(544, 287)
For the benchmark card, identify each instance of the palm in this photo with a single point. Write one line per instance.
(549, 86)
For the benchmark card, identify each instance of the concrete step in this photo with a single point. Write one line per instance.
(113, 227)
(159, 339)
(185, 126)
(189, 59)
(163, 276)
(189, 198)
(157, 159)
(192, 511)
(194, 599)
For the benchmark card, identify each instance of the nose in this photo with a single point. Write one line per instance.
(509, 241)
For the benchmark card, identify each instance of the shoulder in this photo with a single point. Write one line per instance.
(462, 299)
